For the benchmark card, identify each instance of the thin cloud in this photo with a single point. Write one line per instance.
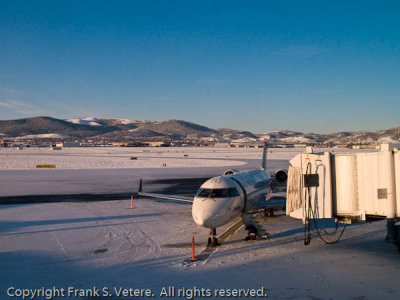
(21, 107)
(12, 104)
(33, 112)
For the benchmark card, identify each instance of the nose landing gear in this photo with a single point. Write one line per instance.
(212, 240)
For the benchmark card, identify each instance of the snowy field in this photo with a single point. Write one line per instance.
(117, 158)
(104, 244)
(112, 171)
(113, 158)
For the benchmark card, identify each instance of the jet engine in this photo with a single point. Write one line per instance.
(281, 175)
(231, 171)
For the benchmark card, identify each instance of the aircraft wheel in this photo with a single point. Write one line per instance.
(269, 213)
(252, 232)
(213, 242)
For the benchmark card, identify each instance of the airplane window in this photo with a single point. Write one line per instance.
(204, 193)
(233, 192)
(219, 193)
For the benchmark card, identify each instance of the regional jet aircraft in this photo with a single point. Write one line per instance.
(223, 199)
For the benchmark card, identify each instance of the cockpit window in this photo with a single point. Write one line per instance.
(233, 192)
(204, 193)
(218, 193)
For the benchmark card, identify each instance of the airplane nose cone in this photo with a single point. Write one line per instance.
(206, 219)
(198, 219)
(205, 213)
(212, 213)
(200, 212)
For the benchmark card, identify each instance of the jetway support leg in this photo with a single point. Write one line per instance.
(391, 230)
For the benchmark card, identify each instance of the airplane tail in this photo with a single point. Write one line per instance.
(264, 158)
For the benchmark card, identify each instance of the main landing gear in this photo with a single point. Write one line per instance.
(269, 212)
(251, 233)
(254, 229)
(212, 240)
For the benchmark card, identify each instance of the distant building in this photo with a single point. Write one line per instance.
(222, 145)
(157, 144)
(367, 146)
(299, 145)
(342, 146)
(68, 144)
(281, 146)
(120, 144)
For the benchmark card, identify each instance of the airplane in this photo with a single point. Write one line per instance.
(223, 199)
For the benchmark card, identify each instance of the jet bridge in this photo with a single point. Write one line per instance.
(348, 187)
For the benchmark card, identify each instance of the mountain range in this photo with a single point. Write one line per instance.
(118, 129)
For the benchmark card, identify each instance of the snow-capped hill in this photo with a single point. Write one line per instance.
(121, 129)
(296, 139)
(123, 121)
(208, 139)
(387, 139)
(244, 140)
(46, 136)
(91, 121)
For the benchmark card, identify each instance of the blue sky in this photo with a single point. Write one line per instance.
(311, 66)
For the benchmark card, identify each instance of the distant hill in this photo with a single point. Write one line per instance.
(391, 135)
(171, 129)
(45, 125)
(231, 134)
(118, 129)
(179, 127)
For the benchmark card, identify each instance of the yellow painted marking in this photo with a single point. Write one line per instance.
(45, 166)
(230, 231)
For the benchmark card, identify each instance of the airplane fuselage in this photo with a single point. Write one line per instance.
(222, 199)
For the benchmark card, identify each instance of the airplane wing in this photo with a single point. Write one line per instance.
(167, 197)
(162, 196)
(274, 202)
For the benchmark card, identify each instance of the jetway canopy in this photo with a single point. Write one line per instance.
(354, 186)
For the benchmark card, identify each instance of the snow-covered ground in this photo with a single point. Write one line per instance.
(112, 171)
(105, 244)
(117, 158)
